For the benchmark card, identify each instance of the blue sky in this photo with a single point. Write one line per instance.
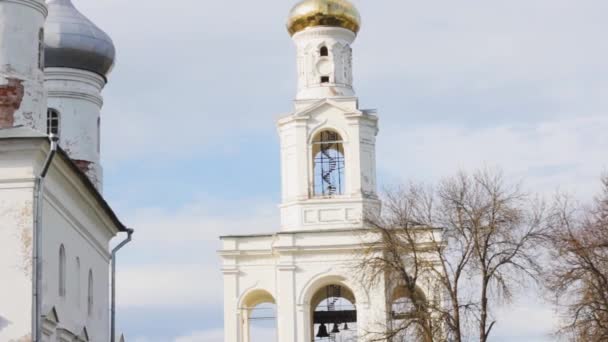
(190, 148)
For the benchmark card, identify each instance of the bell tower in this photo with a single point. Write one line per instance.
(305, 275)
(328, 160)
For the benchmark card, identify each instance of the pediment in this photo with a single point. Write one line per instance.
(52, 316)
(84, 335)
(322, 106)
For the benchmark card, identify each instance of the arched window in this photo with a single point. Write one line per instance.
(77, 281)
(52, 121)
(334, 314)
(328, 159)
(259, 317)
(62, 271)
(410, 319)
(324, 52)
(90, 294)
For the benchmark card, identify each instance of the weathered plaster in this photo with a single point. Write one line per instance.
(11, 96)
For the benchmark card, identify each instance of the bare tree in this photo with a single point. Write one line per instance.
(457, 249)
(579, 273)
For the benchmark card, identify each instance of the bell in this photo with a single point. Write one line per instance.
(335, 330)
(345, 326)
(322, 331)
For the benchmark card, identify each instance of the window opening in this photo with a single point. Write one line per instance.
(259, 322)
(324, 51)
(335, 315)
(90, 294)
(328, 157)
(78, 281)
(62, 271)
(52, 121)
(324, 79)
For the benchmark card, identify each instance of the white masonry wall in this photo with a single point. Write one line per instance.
(16, 223)
(337, 66)
(76, 95)
(72, 218)
(22, 95)
(300, 208)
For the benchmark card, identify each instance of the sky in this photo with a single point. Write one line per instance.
(190, 149)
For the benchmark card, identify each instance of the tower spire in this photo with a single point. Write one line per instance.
(79, 56)
(323, 31)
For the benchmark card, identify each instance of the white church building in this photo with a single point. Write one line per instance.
(307, 270)
(55, 225)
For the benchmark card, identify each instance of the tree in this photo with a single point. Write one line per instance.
(457, 249)
(578, 277)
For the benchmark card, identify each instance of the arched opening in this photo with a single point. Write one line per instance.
(324, 51)
(334, 314)
(328, 159)
(62, 275)
(52, 121)
(410, 319)
(259, 317)
(90, 298)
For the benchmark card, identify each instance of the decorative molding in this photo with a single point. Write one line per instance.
(39, 6)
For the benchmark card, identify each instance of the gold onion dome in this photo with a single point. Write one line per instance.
(312, 13)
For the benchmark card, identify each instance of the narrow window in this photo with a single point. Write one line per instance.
(77, 275)
(324, 51)
(90, 294)
(324, 79)
(41, 49)
(52, 121)
(328, 159)
(98, 135)
(61, 271)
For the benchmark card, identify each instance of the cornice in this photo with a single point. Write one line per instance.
(39, 6)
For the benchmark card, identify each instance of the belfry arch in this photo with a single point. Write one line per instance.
(257, 308)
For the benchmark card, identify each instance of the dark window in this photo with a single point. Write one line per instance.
(62, 274)
(328, 157)
(52, 121)
(324, 79)
(324, 51)
(41, 49)
(90, 294)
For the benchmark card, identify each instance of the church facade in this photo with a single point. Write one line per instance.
(309, 269)
(55, 225)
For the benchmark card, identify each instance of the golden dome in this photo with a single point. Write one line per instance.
(311, 13)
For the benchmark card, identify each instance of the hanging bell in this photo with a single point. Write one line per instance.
(322, 331)
(345, 326)
(335, 330)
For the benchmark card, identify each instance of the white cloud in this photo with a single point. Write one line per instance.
(172, 261)
(569, 153)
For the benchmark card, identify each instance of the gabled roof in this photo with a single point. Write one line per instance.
(324, 102)
(52, 316)
(25, 133)
(84, 335)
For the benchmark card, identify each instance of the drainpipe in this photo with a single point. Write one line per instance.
(113, 307)
(37, 248)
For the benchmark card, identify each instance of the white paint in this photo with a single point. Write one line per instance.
(76, 95)
(312, 66)
(320, 237)
(72, 217)
(21, 22)
(300, 209)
